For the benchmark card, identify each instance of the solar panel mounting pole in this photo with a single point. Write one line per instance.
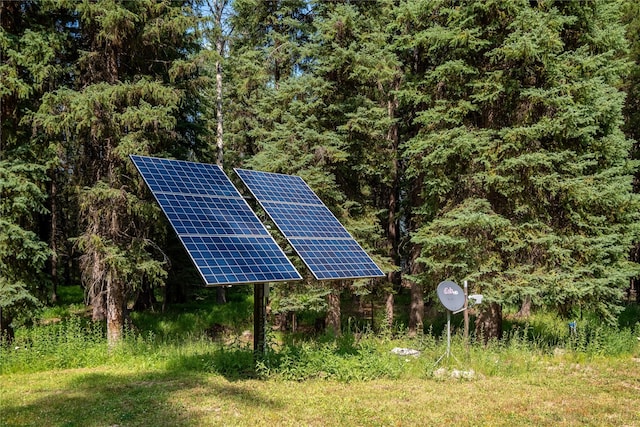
(260, 292)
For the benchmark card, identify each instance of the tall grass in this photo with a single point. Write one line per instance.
(179, 342)
(589, 336)
(70, 343)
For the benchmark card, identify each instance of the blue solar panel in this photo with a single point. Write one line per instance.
(324, 245)
(300, 220)
(226, 241)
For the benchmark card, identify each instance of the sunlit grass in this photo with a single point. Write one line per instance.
(550, 392)
(170, 370)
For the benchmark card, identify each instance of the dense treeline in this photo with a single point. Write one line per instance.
(490, 141)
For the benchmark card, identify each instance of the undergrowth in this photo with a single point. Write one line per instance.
(175, 345)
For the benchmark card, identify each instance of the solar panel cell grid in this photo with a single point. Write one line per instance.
(268, 187)
(195, 214)
(175, 176)
(226, 241)
(313, 231)
(305, 221)
(345, 255)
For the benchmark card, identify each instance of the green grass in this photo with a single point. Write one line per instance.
(170, 371)
(549, 392)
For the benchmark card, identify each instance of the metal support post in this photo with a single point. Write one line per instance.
(259, 319)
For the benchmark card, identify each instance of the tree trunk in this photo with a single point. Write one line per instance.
(54, 241)
(219, 121)
(294, 322)
(115, 311)
(389, 309)
(525, 308)
(218, 9)
(489, 322)
(393, 226)
(416, 308)
(98, 301)
(6, 330)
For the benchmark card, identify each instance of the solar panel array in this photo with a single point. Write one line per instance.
(226, 241)
(324, 245)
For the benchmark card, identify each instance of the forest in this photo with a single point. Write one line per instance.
(487, 141)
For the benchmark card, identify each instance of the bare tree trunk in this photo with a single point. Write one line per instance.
(525, 308)
(92, 272)
(221, 295)
(54, 240)
(217, 8)
(115, 311)
(393, 226)
(416, 309)
(294, 322)
(489, 322)
(389, 309)
(219, 121)
(97, 298)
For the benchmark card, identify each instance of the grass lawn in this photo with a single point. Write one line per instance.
(553, 392)
(170, 372)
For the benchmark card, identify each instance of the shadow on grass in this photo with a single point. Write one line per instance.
(232, 363)
(146, 399)
(103, 400)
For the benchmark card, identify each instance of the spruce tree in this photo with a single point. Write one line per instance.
(526, 172)
(272, 122)
(322, 108)
(134, 90)
(32, 61)
(354, 57)
(632, 107)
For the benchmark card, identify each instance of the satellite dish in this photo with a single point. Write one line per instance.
(451, 295)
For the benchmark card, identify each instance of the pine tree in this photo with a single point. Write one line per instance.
(632, 106)
(32, 61)
(22, 253)
(355, 58)
(134, 91)
(527, 177)
(272, 121)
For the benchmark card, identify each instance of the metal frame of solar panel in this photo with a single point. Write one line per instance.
(224, 238)
(322, 243)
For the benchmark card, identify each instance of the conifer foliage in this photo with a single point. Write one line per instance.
(527, 177)
(476, 140)
(30, 49)
(134, 91)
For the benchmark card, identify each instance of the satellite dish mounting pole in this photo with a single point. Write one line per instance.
(448, 352)
(448, 333)
(260, 294)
